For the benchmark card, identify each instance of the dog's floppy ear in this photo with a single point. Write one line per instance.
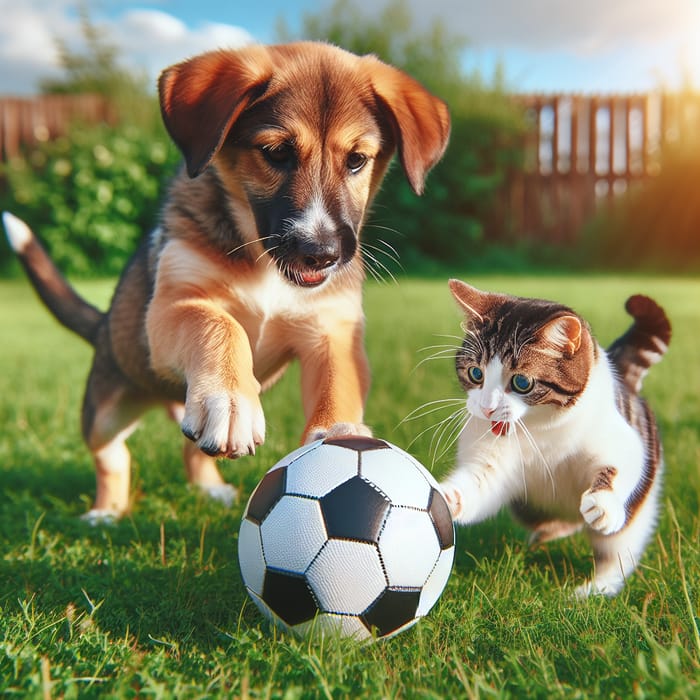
(200, 99)
(419, 120)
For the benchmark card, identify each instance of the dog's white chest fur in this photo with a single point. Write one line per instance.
(266, 306)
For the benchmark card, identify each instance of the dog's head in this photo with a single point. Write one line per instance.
(301, 136)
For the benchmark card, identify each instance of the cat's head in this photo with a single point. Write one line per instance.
(521, 358)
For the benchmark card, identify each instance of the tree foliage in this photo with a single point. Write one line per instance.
(96, 69)
(458, 214)
(92, 193)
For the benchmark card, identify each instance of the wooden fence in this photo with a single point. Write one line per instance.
(579, 150)
(26, 121)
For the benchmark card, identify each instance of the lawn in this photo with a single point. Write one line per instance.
(154, 605)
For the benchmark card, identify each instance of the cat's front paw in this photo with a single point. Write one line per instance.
(454, 499)
(603, 511)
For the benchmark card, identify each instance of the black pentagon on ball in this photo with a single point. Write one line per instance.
(289, 597)
(268, 492)
(355, 510)
(359, 443)
(442, 519)
(391, 610)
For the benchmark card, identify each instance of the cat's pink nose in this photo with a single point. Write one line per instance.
(488, 412)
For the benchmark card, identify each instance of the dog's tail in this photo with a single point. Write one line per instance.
(65, 304)
(643, 344)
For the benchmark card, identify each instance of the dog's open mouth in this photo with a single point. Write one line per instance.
(308, 277)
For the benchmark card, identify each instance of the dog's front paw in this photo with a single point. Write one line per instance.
(338, 430)
(230, 424)
(603, 511)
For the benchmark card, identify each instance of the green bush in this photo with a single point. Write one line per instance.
(458, 216)
(91, 194)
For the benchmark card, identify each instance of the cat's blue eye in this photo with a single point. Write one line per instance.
(522, 384)
(475, 375)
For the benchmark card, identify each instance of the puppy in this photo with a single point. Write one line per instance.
(256, 260)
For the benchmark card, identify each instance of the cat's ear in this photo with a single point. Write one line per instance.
(563, 334)
(472, 300)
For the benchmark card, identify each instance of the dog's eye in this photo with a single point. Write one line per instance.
(355, 162)
(281, 156)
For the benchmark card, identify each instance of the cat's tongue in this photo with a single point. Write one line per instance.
(499, 427)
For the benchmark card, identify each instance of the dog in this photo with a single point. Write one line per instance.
(256, 260)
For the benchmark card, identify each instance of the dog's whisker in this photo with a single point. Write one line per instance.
(247, 243)
(391, 254)
(369, 259)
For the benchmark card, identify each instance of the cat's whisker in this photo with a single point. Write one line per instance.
(457, 417)
(513, 435)
(447, 353)
(449, 434)
(536, 449)
(435, 426)
(432, 406)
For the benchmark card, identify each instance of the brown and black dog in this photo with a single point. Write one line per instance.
(256, 260)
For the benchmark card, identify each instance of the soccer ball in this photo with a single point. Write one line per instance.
(350, 536)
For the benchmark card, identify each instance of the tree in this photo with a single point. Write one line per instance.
(95, 71)
(450, 223)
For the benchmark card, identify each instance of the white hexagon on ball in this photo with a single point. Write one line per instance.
(409, 547)
(320, 471)
(250, 551)
(387, 469)
(293, 533)
(344, 591)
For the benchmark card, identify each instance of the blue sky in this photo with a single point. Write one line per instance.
(545, 45)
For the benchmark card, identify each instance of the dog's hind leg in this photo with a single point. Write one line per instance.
(201, 469)
(111, 411)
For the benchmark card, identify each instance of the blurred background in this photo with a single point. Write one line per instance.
(575, 138)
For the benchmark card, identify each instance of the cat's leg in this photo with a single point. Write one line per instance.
(475, 493)
(617, 555)
(543, 528)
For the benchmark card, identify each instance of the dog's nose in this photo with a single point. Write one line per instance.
(320, 262)
(318, 256)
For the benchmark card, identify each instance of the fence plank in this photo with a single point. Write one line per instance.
(26, 121)
(565, 174)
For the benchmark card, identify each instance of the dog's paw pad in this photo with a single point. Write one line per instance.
(339, 430)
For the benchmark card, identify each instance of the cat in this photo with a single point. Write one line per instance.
(556, 428)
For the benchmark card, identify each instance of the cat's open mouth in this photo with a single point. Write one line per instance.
(499, 427)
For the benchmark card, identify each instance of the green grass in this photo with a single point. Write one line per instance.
(154, 605)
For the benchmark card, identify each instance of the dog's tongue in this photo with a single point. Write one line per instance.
(499, 427)
(312, 277)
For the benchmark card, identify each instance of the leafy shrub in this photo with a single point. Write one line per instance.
(91, 194)
(459, 212)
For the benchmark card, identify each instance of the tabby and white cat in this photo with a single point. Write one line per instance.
(556, 428)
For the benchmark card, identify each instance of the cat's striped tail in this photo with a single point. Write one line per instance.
(643, 344)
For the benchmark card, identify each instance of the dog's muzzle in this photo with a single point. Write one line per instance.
(309, 262)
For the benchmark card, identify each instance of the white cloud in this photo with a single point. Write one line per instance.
(587, 27)
(153, 40)
(149, 40)
(28, 49)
